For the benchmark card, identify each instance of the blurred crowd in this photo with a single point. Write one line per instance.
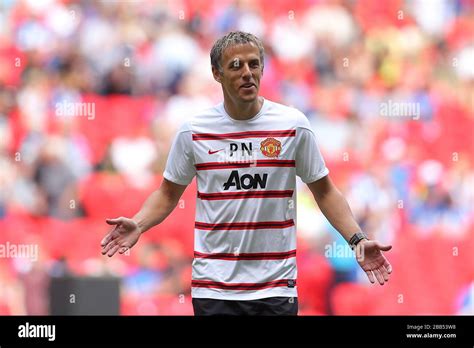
(92, 93)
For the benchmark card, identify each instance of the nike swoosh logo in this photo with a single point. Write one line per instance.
(213, 152)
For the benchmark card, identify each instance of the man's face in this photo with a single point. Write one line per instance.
(241, 72)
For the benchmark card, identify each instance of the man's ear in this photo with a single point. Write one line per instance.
(217, 74)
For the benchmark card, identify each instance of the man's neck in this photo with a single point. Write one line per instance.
(243, 111)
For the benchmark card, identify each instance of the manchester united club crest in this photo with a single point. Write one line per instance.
(270, 147)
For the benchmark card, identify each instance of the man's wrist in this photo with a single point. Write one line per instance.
(357, 238)
(140, 224)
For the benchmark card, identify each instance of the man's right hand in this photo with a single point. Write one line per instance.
(124, 236)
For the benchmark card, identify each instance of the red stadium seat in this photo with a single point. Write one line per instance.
(107, 195)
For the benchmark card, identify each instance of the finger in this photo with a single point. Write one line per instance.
(106, 240)
(113, 250)
(108, 247)
(384, 247)
(384, 273)
(387, 266)
(123, 249)
(105, 249)
(109, 238)
(114, 221)
(370, 276)
(379, 276)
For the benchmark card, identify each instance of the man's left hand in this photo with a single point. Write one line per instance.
(373, 262)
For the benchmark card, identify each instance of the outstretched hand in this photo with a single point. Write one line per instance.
(373, 262)
(124, 236)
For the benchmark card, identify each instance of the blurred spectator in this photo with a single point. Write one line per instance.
(133, 157)
(36, 284)
(146, 278)
(11, 292)
(55, 179)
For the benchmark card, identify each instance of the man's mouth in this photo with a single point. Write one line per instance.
(247, 85)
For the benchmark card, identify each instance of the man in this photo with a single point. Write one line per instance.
(246, 153)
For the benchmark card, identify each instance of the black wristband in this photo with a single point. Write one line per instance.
(356, 238)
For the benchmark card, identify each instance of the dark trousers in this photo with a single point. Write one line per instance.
(264, 306)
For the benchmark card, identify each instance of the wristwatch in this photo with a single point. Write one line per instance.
(356, 238)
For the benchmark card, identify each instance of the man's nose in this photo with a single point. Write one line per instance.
(246, 72)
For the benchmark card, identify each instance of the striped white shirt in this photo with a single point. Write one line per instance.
(245, 233)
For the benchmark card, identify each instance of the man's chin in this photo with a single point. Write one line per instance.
(249, 98)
